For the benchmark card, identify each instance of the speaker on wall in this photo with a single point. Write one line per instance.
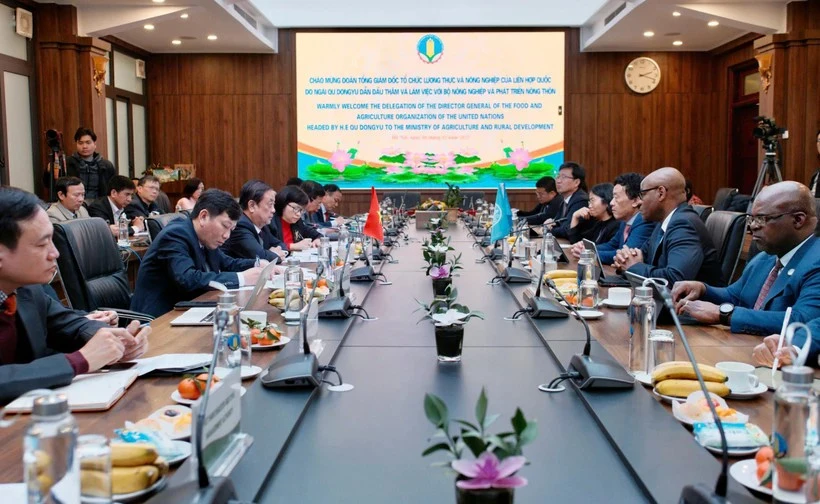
(24, 23)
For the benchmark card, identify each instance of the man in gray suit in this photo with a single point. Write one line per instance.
(43, 344)
(70, 196)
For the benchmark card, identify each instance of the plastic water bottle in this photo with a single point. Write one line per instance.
(294, 286)
(794, 434)
(52, 472)
(230, 347)
(587, 281)
(548, 252)
(641, 324)
(122, 231)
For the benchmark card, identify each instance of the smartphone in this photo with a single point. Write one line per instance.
(764, 374)
(119, 366)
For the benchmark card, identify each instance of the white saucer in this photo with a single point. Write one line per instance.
(644, 378)
(184, 447)
(745, 452)
(248, 372)
(751, 394)
(181, 400)
(283, 340)
(667, 398)
(745, 473)
(590, 314)
(609, 304)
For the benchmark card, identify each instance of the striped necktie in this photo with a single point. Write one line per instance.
(767, 286)
(627, 228)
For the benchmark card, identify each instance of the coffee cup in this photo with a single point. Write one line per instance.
(620, 295)
(741, 376)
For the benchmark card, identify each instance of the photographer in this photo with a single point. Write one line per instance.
(89, 166)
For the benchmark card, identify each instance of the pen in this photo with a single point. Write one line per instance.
(780, 340)
(257, 263)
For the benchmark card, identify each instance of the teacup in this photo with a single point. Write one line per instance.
(741, 376)
(620, 295)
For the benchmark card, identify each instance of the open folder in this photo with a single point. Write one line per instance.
(88, 392)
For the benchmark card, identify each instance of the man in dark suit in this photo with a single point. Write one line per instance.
(330, 202)
(572, 186)
(680, 247)
(252, 237)
(185, 257)
(782, 222)
(626, 207)
(145, 202)
(43, 344)
(110, 208)
(549, 202)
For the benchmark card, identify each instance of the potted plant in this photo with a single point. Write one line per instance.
(449, 318)
(490, 477)
(439, 267)
(453, 200)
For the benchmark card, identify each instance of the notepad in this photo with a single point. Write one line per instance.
(173, 363)
(88, 392)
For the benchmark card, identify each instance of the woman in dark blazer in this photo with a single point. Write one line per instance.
(287, 225)
(252, 237)
(595, 221)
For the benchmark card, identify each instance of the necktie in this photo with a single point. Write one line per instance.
(259, 239)
(767, 286)
(10, 306)
(564, 209)
(626, 231)
(658, 245)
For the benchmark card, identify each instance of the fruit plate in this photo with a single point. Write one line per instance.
(184, 448)
(181, 400)
(284, 340)
(248, 372)
(745, 473)
(644, 378)
(744, 452)
(137, 496)
(667, 398)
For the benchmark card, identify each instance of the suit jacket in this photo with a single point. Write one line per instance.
(58, 213)
(577, 201)
(797, 285)
(639, 234)
(138, 208)
(594, 230)
(800, 338)
(45, 331)
(543, 211)
(322, 219)
(299, 229)
(176, 268)
(684, 252)
(246, 244)
(102, 208)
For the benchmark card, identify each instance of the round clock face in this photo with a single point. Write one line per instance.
(642, 75)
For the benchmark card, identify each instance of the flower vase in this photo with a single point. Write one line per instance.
(440, 286)
(488, 496)
(449, 340)
(452, 215)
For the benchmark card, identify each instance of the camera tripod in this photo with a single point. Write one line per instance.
(769, 171)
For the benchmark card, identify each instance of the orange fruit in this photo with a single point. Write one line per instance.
(322, 282)
(764, 454)
(188, 389)
(790, 482)
(762, 469)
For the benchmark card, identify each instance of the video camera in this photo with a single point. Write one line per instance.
(54, 140)
(767, 131)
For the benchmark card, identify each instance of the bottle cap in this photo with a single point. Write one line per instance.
(293, 261)
(586, 255)
(50, 405)
(227, 298)
(798, 375)
(643, 292)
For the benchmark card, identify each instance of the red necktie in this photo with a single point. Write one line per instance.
(10, 305)
(626, 231)
(767, 286)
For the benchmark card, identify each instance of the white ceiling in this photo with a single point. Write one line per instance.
(256, 31)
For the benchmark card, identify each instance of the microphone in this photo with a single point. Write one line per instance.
(700, 493)
(544, 308)
(589, 373)
(515, 275)
(337, 307)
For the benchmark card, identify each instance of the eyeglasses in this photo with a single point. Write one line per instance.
(564, 177)
(762, 220)
(643, 192)
(296, 209)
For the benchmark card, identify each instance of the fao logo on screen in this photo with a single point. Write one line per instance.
(430, 48)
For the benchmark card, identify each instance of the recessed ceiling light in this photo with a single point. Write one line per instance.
(176, 42)
(184, 16)
(712, 23)
(149, 27)
(648, 34)
(211, 37)
(677, 43)
(158, 1)
(676, 13)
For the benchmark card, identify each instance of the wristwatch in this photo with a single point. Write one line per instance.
(726, 310)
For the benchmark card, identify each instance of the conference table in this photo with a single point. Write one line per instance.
(365, 445)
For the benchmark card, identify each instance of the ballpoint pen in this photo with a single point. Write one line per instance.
(780, 340)
(257, 263)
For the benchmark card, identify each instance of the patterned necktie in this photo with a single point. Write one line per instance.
(767, 286)
(626, 231)
(564, 209)
(10, 306)
(658, 246)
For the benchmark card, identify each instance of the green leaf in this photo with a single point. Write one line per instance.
(481, 408)
(490, 420)
(352, 152)
(435, 448)
(476, 445)
(519, 423)
(467, 424)
(436, 410)
(459, 159)
(529, 434)
(397, 159)
(508, 151)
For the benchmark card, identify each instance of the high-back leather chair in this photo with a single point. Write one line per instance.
(727, 231)
(723, 196)
(157, 223)
(91, 267)
(703, 210)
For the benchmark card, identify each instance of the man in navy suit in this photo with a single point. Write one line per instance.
(42, 343)
(572, 186)
(782, 222)
(634, 232)
(252, 237)
(185, 257)
(549, 202)
(680, 248)
(330, 201)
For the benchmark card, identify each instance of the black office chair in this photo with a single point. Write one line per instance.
(157, 223)
(723, 197)
(703, 210)
(727, 231)
(92, 271)
(469, 198)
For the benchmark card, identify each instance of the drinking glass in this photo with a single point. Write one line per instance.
(661, 347)
(94, 456)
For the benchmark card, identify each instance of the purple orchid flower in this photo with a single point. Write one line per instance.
(489, 472)
(439, 272)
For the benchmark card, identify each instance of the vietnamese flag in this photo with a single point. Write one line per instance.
(373, 226)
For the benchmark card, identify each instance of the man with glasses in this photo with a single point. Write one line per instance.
(782, 222)
(549, 202)
(330, 202)
(144, 205)
(572, 186)
(680, 247)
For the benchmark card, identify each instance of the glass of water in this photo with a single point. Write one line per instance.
(661, 347)
(94, 455)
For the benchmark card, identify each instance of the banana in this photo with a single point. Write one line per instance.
(277, 294)
(684, 370)
(277, 303)
(126, 480)
(682, 388)
(566, 281)
(42, 461)
(162, 464)
(132, 454)
(561, 273)
(95, 483)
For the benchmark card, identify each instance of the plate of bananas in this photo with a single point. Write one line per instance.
(277, 296)
(676, 380)
(136, 471)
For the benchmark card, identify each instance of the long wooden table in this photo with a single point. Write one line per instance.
(298, 424)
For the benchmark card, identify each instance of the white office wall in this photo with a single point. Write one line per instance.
(11, 44)
(122, 138)
(20, 158)
(140, 145)
(125, 73)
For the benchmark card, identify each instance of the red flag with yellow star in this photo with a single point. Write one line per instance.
(373, 226)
